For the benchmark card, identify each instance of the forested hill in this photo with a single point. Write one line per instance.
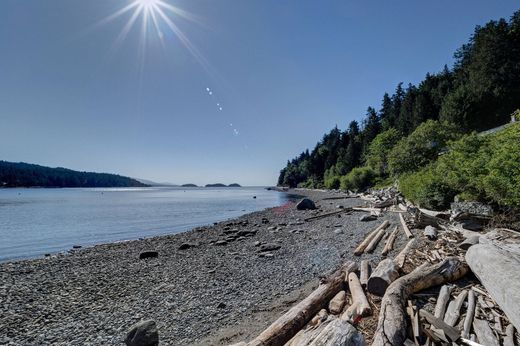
(22, 174)
(417, 122)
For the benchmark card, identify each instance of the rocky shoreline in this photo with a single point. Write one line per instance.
(209, 286)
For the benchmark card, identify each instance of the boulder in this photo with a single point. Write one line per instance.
(368, 217)
(306, 204)
(148, 254)
(143, 333)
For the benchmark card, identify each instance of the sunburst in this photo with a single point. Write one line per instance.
(156, 15)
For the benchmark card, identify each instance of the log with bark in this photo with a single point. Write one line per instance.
(497, 270)
(361, 247)
(284, 328)
(385, 273)
(390, 241)
(391, 328)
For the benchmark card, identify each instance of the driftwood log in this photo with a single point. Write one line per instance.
(284, 328)
(390, 241)
(337, 303)
(332, 332)
(430, 232)
(509, 340)
(360, 305)
(385, 273)
(400, 259)
(470, 313)
(497, 270)
(391, 327)
(377, 238)
(361, 247)
(442, 301)
(484, 333)
(405, 227)
(364, 273)
(452, 314)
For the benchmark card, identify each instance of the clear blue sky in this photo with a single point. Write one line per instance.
(284, 73)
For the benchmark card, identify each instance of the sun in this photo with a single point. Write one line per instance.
(147, 4)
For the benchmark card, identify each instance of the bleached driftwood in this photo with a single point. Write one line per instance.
(364, 273)
(430, 232)
(390, 241)
(377, 238)
(360, 305)
(442, 301)
(391, 327)
(405, 227)
(336, 304)
(400, 259)
(453, 312)
(468, 321)
(497, 270)
(385, 273)
(361, 247)
(509, 340)
(333, 332)
(284, 328)
(484, 333)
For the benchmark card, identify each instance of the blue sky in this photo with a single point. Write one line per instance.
(284, 73)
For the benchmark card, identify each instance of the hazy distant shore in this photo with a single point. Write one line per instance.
(209, 286)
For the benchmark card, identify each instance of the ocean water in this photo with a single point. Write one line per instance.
(34, 222)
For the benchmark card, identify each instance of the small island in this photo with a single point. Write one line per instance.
(234, 185)
(216, 185)
(189, 185)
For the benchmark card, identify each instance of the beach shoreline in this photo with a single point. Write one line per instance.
(211, 285)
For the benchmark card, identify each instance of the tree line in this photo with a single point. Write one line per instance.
(20, 174)
(481, 90)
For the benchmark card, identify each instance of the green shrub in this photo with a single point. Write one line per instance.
(332, 182)
(377, 157)
(421, 147)
(358, 179)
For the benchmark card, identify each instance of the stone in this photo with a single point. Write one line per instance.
(269, 247)
(368, 217)
(143, 333)
(338, 231)
(148, 254)
(221, 243)
(76, 246)
(185, 246)
(221, 305)
(247, 233)
(306, 204)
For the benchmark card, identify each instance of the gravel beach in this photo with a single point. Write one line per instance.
(212, 285)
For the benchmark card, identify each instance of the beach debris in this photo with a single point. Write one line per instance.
(221, 243)
(305, 204)
(430, 232)
(332, 331)
(143, 333)
(391, 327)
(405, 227)
(185, 246)
(389, 245)
(148, 254)
(360, 305)
(336, 304)
(368, 217)
(76, 246)
(453, 312)
(364, 273)
(361, 248)
(469, 241)
(385, 273)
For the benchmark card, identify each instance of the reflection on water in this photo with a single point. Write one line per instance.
(38, 221)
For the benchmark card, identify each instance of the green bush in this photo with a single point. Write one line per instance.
(483, 168)
(332, 182)
(358, 179)
(421, 147)
(377, 157)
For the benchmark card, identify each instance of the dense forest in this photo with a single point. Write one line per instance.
(22, 174)
(417, 123)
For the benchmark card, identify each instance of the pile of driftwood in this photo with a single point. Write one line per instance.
(473, 310)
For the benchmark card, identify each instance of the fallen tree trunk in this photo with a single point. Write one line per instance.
(361, 247)
(333, 332)
(390, 241)
(385, 273)
(360, 305)
(284, 328)
(497, 270)
(391, 327)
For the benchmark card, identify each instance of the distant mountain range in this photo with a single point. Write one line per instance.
(223, 185)
(21, 174)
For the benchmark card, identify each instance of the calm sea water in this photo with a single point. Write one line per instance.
(34, 222)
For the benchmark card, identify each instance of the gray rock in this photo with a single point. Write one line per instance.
(185, 246)
(470, 241)
(148, 254)
(368, 217)
(269, 247)
(338, 231)
(221, 243)
(143, 333)
(306, 204)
